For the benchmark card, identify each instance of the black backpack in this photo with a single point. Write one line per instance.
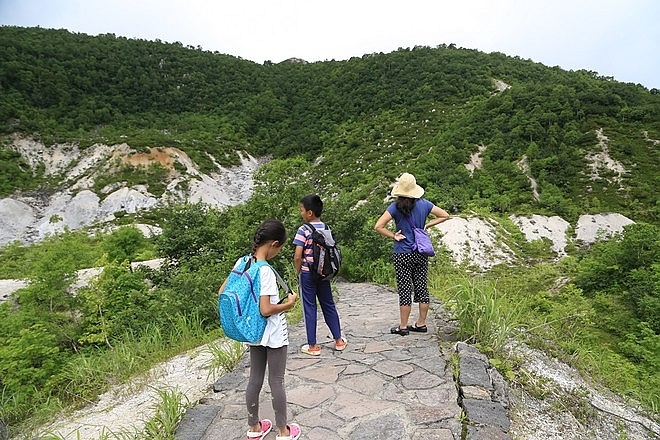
(327, 256)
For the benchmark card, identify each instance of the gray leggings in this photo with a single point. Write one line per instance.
(275, 358)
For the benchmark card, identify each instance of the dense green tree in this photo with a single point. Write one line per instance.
(189, 230)
(124, 244)
(410, 103)
(627, 267)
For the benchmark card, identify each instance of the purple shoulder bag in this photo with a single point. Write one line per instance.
(422, 242)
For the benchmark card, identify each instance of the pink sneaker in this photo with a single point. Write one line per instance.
(266, 426)
(294, 433)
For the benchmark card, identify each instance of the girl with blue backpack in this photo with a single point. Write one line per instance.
(271, 351)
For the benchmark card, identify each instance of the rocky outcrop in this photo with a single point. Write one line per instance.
(481, 242)
(29, 218)
(571, 407)
(475, 241)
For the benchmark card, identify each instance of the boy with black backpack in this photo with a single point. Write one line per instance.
(315, 274)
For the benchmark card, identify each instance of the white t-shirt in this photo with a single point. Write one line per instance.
(276, 334)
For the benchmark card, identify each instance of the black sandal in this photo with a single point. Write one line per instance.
(420, 329)
(399, 331)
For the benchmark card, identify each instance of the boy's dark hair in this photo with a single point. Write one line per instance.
(313, 202)
(269, 230)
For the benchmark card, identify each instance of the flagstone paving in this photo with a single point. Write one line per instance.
(382, 386)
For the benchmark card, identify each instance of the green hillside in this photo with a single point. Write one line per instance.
(368, 117)
(344, 129)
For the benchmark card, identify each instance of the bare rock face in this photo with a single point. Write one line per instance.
(130, 200)
(482, 242)
(537, 227)
(590, 228)
(31, 218)
(474, 240)
(15, 219)
(557, 416)
(67, 211)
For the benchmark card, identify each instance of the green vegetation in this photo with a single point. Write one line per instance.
(345, 130)
(226, 354)
(168, 414)
(122, 326)
(360, 120)
(596, 311)
(152, 176)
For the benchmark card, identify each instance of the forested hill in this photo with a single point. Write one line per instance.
(587, 143)
(492, 139)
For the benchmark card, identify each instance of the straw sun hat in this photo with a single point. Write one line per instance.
(406, 186)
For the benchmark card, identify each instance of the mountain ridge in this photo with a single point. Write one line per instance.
(75, 203)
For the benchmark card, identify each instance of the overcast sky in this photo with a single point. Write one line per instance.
(616, 38)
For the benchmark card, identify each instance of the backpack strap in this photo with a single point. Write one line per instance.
(248, 263)
(280, 281)
(310, 226)
(412, 226)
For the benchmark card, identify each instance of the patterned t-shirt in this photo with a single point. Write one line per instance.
(303, 238)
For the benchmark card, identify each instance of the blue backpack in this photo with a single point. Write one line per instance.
(238, 303)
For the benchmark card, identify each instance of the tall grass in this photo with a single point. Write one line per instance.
(540, 306)
(226, 354)
(167, 415)
(485, 315)
(92, 372)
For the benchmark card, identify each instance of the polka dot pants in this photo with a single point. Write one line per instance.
(411, 272)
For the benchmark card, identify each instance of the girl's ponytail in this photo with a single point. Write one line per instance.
(268, 230)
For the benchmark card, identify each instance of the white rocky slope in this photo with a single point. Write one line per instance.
(574, 408)
(479, 242)
(29, 218)
(125, 409)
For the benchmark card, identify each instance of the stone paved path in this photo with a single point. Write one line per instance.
(382, 386)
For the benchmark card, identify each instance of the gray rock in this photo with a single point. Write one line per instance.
(196, 422)
(473, 372)
(486, 433)
(486, 413)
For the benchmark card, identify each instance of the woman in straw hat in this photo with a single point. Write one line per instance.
(410, 267)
